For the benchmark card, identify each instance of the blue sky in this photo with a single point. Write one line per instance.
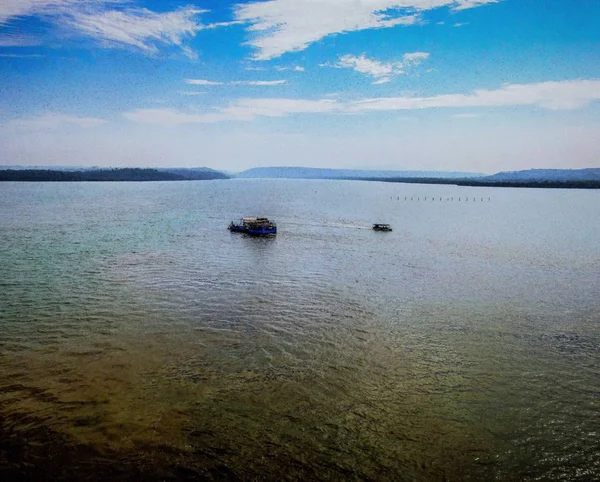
(476, 85)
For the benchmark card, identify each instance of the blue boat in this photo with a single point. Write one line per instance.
(254, 226)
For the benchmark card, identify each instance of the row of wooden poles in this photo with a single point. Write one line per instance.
(435, 198)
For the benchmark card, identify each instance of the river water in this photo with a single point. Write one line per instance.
(141, 339)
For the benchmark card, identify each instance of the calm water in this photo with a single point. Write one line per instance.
(140, 339)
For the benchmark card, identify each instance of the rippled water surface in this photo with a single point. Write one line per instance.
(140, 339)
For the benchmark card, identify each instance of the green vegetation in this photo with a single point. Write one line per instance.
(120, 174)
(547, 184)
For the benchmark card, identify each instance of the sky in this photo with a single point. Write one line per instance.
(459, 85)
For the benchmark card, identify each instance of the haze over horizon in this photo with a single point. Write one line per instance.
(448, 85)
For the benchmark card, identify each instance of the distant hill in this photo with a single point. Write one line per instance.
(123, 174)
(318, 173)
(546, 175)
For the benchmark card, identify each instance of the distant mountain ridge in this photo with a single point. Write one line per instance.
(282, 172)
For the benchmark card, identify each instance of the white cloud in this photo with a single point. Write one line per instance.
(11, 9)
(241, 110)
(465, 116)
(54, 121)
(11, 39)
(415, 58)
(380, 71)
(383, 80)
(294, 68)
(280, 26)
(140, 28)
(21, 56)
(236, 82)
(248, 109)
(464, 4)
(549, 95)
(258, 82)
(202, 82)
(191, 93)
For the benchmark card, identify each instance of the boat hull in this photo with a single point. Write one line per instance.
(382, 227)
(252, 227)
(261, 232)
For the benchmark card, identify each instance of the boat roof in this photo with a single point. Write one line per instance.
(255, 219)
(380, 224)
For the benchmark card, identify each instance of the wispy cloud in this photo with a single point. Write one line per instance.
(236, 82)
(465, 116)
(191, 93)
(294, 68)
(54, 121)
(464, 4)
(11, 9)
(21, 56)
(258, 82)
(241, 110)
(247, 109)
(563, 95)
(139, 28)
(414, 58)
(280, 26)
(136, 28)
(549, 95)
(202, 82)
(382, 72)
(11, 39)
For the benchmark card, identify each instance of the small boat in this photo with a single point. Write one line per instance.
(381, 227)
(254, 226)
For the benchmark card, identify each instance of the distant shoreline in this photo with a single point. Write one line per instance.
(149, 175)
(476, 183)
(108, 175)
